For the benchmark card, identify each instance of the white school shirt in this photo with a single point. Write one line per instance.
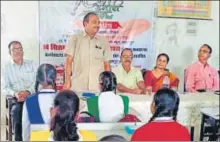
(45, 103)
(16, 78)
(111, 107)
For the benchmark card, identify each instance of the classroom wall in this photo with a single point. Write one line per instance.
(20, 22)
(184, 51)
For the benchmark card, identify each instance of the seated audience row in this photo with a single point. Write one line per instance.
(164, 108)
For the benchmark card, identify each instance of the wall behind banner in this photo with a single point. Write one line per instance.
(20, 22)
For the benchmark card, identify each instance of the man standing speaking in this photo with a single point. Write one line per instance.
(87, 56)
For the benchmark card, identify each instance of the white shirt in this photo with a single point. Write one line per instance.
(111, 107)
(17, 78)
(45, 103)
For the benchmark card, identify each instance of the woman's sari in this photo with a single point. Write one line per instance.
(157, 83)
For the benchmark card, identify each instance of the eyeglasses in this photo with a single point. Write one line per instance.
(126, 56)
(17, 50)
(203, 51)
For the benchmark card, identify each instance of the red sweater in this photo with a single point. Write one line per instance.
(161, 131)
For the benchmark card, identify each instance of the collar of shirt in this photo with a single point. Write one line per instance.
(201, 64)
(110, 93)
(47, 90)
(24, 62)
(85, 34)
(163, 119)
(122, 69)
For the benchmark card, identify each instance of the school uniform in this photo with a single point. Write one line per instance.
(161, 129)
(111, 107)
(36, 110)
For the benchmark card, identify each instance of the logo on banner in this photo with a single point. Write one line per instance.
(104, 8)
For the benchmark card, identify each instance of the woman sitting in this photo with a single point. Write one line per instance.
(36, 107)
(163, 125)
(62, 126)
(110, 105)
(160, 77)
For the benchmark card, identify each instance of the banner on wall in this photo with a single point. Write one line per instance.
(185, 9)
(126, 24)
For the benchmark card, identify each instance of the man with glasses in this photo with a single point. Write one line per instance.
(18, 80)
(200, 76)
(129, 78)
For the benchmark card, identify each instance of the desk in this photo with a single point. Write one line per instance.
(189, 108)
(100, 129)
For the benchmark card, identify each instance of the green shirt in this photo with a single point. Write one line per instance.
(129, 79)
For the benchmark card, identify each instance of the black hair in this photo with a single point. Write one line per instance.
(165, 55)
(86, 17)
(13, 42)
(46, 75)
(113, 138)
(108, 81)
(129, 49)
(143, 72)
(166, 103)
(209, 47)
(62, 124)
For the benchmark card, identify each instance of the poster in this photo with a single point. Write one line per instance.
(185, 9)
(124, 25)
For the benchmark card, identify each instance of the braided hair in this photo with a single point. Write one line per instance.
(62, 124)
(108, 81)
(166, 103)
(46, 75)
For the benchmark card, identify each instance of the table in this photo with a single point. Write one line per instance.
(210, 116)
(189, 108)
(100, 129)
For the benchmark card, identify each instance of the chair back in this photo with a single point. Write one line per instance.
(184, 81)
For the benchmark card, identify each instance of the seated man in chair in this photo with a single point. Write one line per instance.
(130, 79)
(200, 76)
(18, 81)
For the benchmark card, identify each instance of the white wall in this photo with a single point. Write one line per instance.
(20, 22)
(185, 52)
